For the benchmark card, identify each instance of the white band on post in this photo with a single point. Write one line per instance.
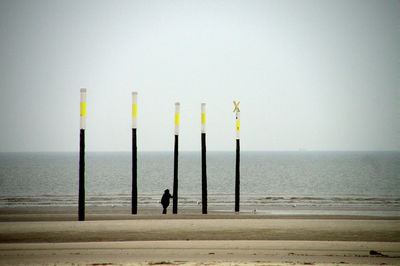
(83, 108)
(203, 118)
(134, 109)
(238, 125)
(177, 114)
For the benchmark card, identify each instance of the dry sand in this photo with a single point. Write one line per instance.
(201, 252)
(40, 237)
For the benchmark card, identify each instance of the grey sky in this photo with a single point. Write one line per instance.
(318, 75)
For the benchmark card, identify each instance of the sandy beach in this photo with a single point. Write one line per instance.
(52, 236)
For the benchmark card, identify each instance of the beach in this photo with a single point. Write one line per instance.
(54, 236)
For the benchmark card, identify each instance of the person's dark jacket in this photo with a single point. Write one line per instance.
(165, 198)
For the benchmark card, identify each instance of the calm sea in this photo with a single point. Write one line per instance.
(357, 181)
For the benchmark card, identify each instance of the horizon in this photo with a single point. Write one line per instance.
(211, 151)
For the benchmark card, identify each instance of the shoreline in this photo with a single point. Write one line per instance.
(68, 213)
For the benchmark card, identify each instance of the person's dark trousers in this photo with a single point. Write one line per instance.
(164, 211)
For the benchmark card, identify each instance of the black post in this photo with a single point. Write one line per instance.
(175, 196)
(81, 201)
(204, 172)
(134, 172)
(237, 179)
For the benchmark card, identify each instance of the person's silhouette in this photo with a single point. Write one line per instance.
(165, 200)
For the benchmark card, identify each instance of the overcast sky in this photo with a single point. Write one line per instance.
(315, 75)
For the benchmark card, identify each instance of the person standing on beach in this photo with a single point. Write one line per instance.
(165, 200)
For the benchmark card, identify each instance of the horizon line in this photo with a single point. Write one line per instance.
(123, 151)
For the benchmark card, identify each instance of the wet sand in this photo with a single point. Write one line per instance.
(50, 237)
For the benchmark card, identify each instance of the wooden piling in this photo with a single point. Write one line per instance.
(81, 199)
(134, 153)
(203, 159)
(237, 177)
(175, 185)
(237, 172)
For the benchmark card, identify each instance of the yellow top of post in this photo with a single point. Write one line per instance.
(203, 118)
(177, 116)
(237, 110)
(83, 108)
(134, 109)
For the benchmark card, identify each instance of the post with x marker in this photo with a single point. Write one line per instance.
(237, 177)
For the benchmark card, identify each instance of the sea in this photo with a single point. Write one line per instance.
(299, 182)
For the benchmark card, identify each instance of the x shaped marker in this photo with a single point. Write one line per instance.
(236, 106)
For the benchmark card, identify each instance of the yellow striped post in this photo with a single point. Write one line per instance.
(177, 117)
(83, 108)
(134, 153)
(203, 159)
(81, 199)
(237, 176)
(203, 118)
(238, 125)
(134, 109)
(176, 154)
